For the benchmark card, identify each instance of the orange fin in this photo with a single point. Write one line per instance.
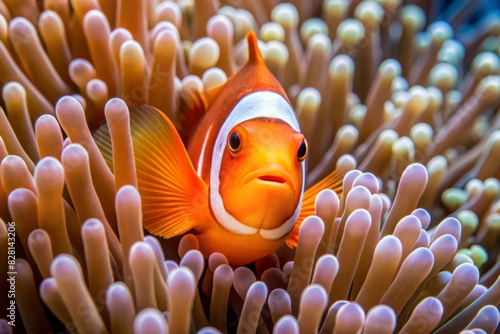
(174, 198)
(192, 108)
(212, 93)
(254, 54)
(331, 181)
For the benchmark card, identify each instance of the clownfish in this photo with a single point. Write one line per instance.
(238, 184)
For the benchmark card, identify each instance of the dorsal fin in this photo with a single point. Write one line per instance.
(213, 92)
(254, 55)
(192, 108)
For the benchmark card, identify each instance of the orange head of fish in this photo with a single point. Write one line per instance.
(261, 175)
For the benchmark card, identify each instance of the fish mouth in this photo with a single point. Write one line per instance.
(272, 178)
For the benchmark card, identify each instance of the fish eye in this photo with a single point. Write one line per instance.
(302, 151)
(234, 142)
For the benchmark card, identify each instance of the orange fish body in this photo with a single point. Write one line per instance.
(255, 193)
(239, 186)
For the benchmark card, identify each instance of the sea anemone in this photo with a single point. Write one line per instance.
(402, 97)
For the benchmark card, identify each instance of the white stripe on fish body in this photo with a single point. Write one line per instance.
(254, 105)
(199, 168)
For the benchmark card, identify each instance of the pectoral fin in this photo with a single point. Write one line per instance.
(332, 181)
(174, 198)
